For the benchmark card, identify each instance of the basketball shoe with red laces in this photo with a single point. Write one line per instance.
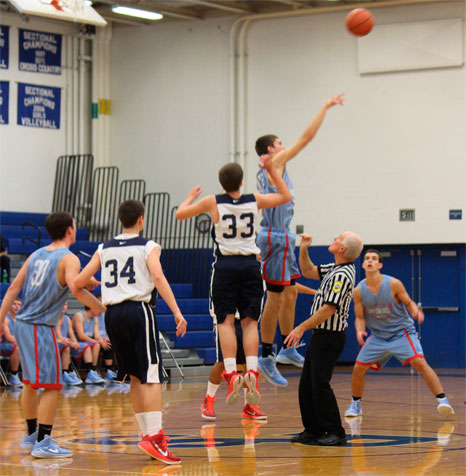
(251, 379)
(207, 408)
(235, 382)
(156, 446)
(252, 412)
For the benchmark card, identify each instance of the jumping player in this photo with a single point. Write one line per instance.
(130, 270)
(45, 279)
(236, 283)
(382, 304)
(277, 247)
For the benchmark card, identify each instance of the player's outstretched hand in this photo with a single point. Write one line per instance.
(360, 336)
(306, 240)
(334, 100)
(420, 316)
(194, 193)
(181, 325)
(294, 337)
(265, 161)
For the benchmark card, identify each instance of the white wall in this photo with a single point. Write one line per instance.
(28, 155)
(399, 142)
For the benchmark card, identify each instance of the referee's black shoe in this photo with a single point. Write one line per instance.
(330, 439)
(305, 438)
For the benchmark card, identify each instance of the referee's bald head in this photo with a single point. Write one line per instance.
(353, 244)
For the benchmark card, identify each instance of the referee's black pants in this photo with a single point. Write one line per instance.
(317, 402)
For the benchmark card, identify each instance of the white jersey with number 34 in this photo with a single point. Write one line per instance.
(125, 275)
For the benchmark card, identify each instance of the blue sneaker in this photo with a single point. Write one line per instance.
(28, 442)
(290, 356)
(268, 369)
(67, 379)
(48, 448)
(75, 376)
(15, 381)
(110, 375)
(94, 377)
(354, 410)
(444, 407)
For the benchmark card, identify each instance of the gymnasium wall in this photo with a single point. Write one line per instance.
(28, 155)
(399, 142)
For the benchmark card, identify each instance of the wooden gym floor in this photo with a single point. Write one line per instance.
(400, 432)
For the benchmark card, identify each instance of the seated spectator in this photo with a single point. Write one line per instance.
(67, 341)
(86, 328)
(4, 262)
(110, 373)
(8, 345)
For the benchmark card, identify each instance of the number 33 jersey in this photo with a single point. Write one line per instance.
(125, 275)
(235, 232)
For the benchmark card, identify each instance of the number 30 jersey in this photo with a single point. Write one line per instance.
(125, 275)
(235, 232)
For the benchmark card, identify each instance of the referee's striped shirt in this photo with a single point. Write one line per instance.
(336, 288)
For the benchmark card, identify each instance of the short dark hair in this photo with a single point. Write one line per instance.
(263, 142)
(57, 223)
(129, 212)
(372, 250)
(230, 176)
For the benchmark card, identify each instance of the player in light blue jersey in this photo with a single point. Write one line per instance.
(45, 279)
(8, 345)
(277, 247)
(382, 304)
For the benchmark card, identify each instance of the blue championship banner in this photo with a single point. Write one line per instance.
(4, 46)
(38, 106)
(39, 52)
(4, 101)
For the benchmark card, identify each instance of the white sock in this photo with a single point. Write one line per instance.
(140, 417)
(251, 362)
(153, 422)
(245, 390)
(212, 389)
(230, 365)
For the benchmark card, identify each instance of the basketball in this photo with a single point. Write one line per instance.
(359, 21)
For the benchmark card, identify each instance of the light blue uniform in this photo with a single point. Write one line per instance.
(88, 329)
(43, 300)
(276, 242)
(7, 348)
(392, 328)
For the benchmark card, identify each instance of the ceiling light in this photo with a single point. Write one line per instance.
(135, 12)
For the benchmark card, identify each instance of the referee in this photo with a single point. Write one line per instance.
(329, 313)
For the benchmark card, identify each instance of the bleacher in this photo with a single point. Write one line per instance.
(192, 352)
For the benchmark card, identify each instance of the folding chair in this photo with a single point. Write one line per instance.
(3, 376)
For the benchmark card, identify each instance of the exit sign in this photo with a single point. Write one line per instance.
(407, 214)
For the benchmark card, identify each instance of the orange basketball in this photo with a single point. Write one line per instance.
(359, 21)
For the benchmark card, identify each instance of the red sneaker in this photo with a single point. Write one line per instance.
(156, 446)
(251, 379)
(253, 413)
(207, 408)
(235, 382)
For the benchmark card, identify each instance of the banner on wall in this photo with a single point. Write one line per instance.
(4, 101)
(4, 46)
(39, 106)
(39, 52)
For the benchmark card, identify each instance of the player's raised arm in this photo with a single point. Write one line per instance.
(309, 133)
(189, 209)
(360, 321)
(283, 195)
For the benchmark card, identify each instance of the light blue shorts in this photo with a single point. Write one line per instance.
(39, 355)
(7, 348)
(376, 352)
(78, 353)
(277, 255)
